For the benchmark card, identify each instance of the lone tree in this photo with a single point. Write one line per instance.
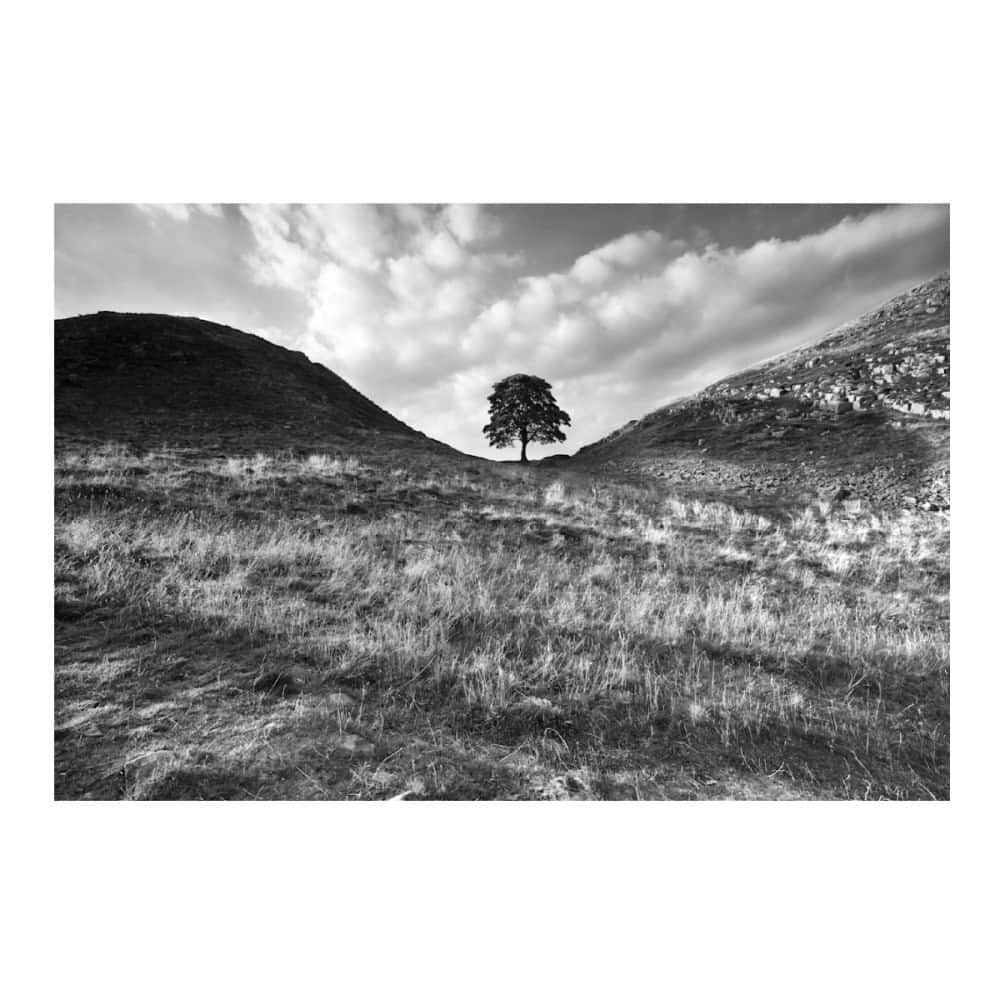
(522, 408)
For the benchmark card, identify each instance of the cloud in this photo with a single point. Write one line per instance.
(357, 236)
(279, 258)
(630, 251)
(635, 322)
(342, 298)
(471, 223)
(702, 300)
(390, 289)
(179, 212)
(423, 309)
(442, 252)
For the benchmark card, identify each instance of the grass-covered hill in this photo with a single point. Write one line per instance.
(150, 378)
(291, 626)
(864, 412)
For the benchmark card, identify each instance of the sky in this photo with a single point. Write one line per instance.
(622, 308)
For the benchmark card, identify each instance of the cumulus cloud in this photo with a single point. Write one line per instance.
(636, 308)
(356, 236)
(629, 252)
(471, 223)
(422, 308)
(179, 212)
(278, 257)
(390, 289)
(442, 252)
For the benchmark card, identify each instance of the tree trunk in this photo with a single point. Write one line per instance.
(524, 447)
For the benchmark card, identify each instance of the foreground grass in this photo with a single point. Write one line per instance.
(317, 626)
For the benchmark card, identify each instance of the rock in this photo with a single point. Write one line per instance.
(837, 494)
(353, 743)
(836, 404)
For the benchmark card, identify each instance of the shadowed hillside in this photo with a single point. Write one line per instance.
(864, 413)
(138, 376)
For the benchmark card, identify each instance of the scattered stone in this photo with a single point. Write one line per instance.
(837, 494)
(561, 787)
(352, 743)
(835, 404)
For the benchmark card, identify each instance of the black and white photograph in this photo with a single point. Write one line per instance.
(478, 493)
(499, 501)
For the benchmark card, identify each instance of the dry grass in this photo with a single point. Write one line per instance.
(327, 625)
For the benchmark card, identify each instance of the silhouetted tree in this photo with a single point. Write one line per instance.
(523, 409)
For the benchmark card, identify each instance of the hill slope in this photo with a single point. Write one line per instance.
(864, 412)
(319, 627)
(141, 374)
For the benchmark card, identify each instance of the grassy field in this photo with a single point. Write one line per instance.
(337, 625)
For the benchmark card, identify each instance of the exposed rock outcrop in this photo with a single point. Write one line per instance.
(866, 408)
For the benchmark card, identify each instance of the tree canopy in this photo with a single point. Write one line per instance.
(522, 408)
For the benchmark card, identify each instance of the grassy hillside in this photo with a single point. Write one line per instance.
(149, 379)
(389, 623)
(864, 412)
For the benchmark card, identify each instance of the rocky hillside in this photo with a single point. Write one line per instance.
(862, 415)
(145, 376)
(896, 357)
